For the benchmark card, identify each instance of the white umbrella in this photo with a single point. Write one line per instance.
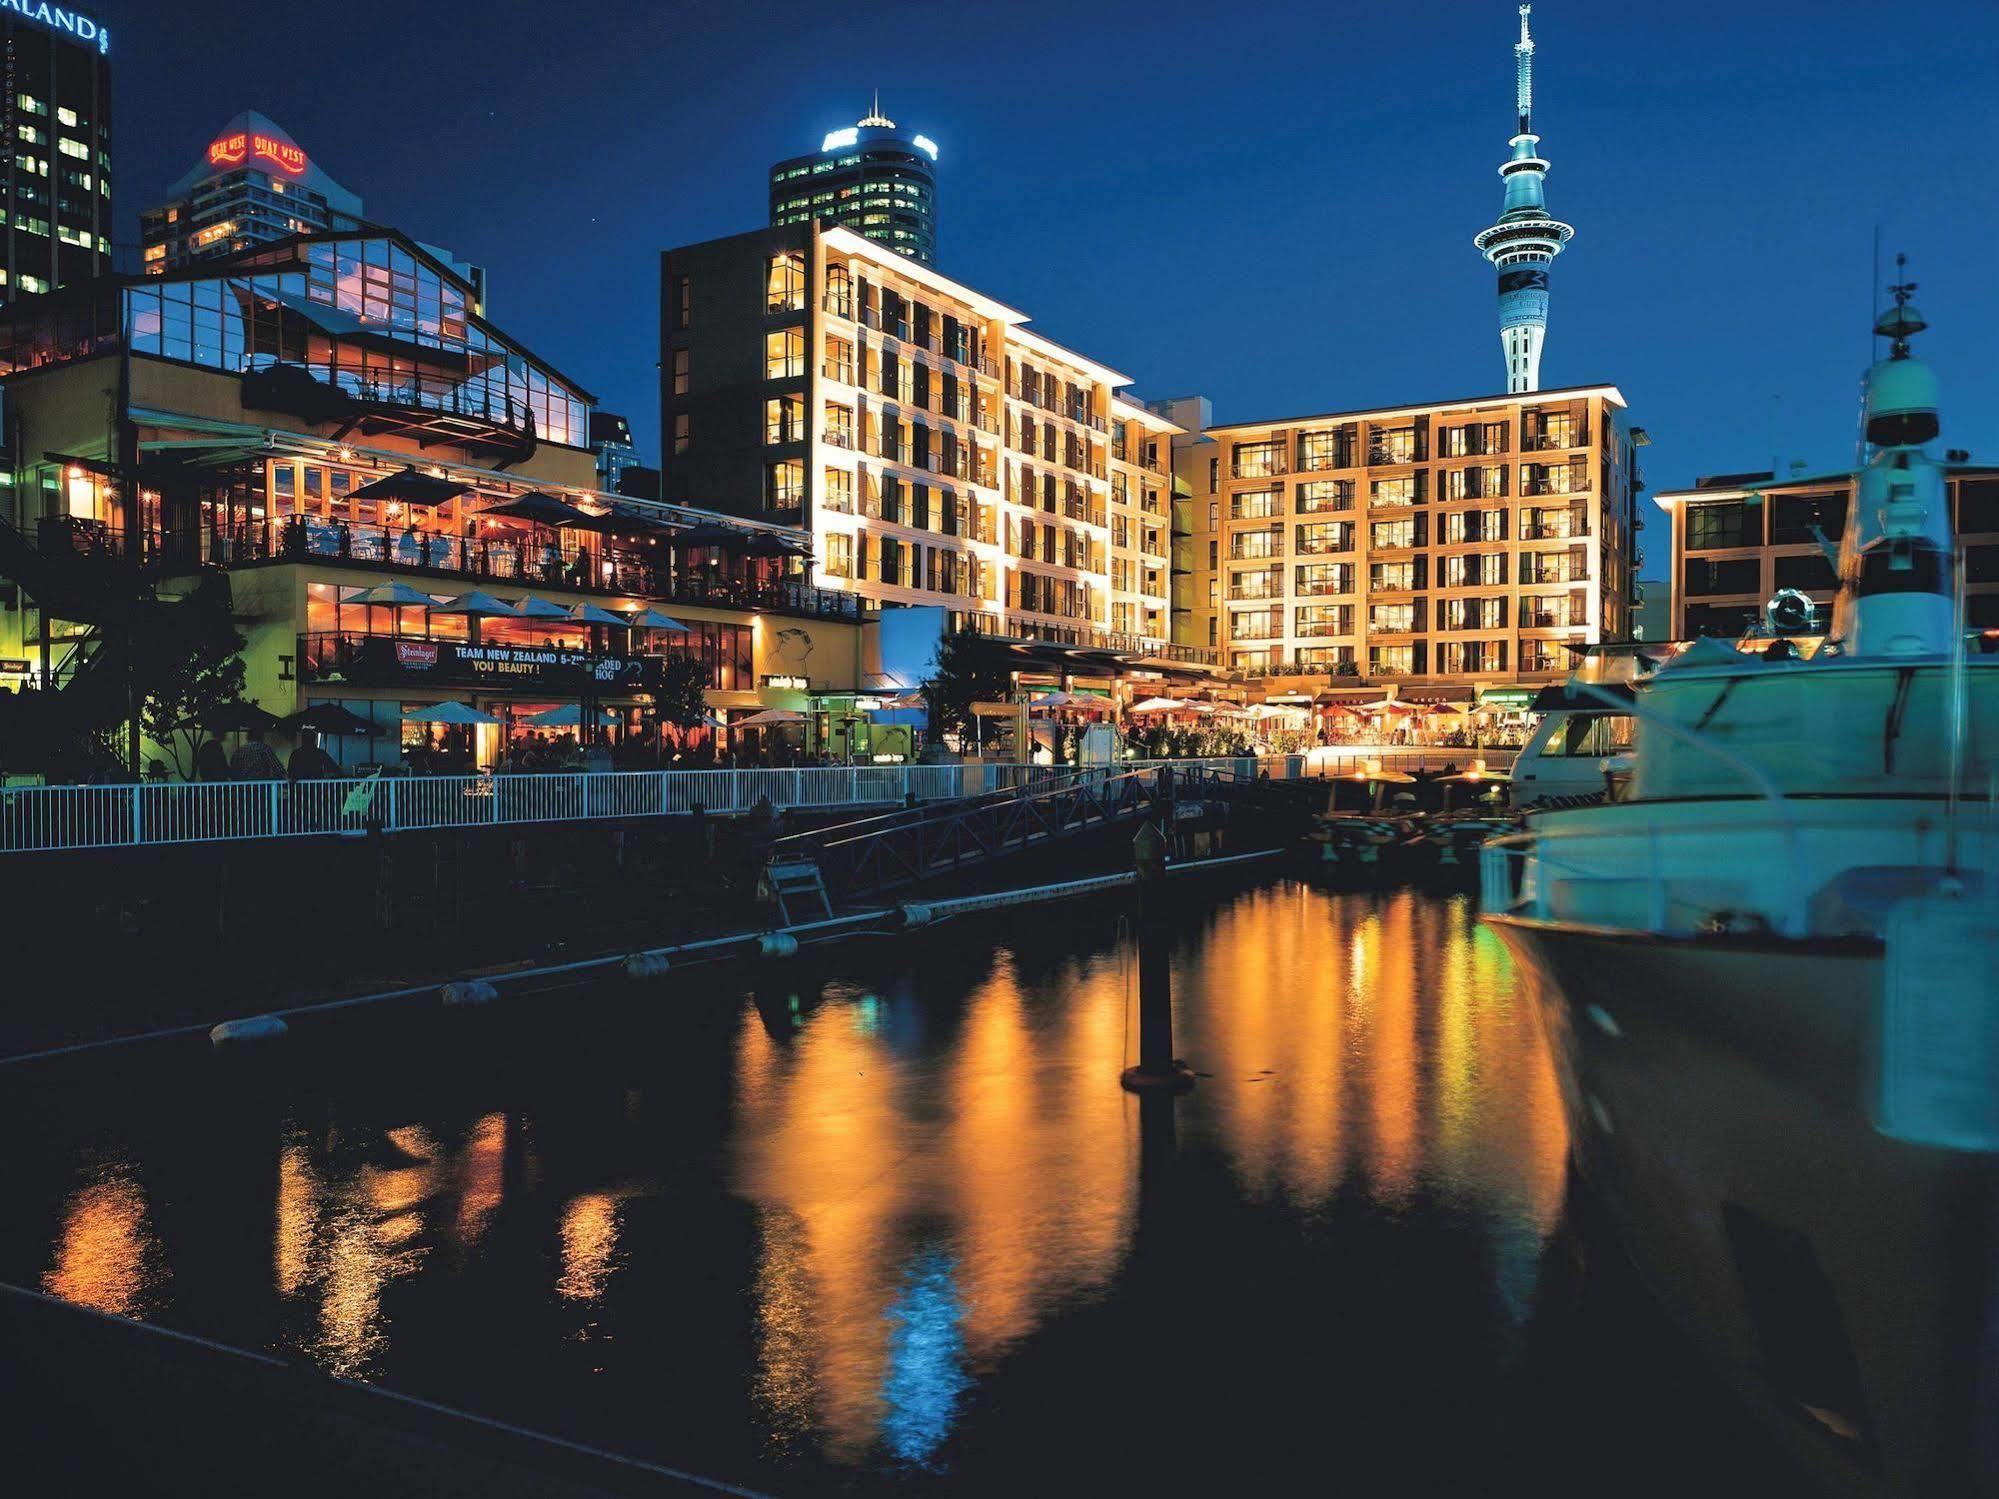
(476, 605)
(448, 713)
(568, 716)
(395, 595)
(769, 718)
(1161, 705)
(534, 608)
(652, 619)
(590, 614)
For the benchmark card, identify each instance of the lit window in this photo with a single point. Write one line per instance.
(66, 116)
(784, 354)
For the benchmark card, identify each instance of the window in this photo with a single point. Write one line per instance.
(1319, 495)
(679, 298)
(1316, 620)
(839, 561)
(837, 491)
(1472, 656)
(1394, 577)
(680, 372)
(1793, 517)
(1319, 579)
(1393, 619)
(1214, 474)
(1810, 572)
(784, 354)
(1257, 460)
(784, 283)
(1325, 536)
(1727, 523)
(1256, 624)
(1475, 525)
(839, 428)
(1474, 570)
(1255, 504)
(1977, 506)
(1394, 533)
(784, 419)
(1266, 543)
(680, 432)
(1474, 614)
(1394, 660)
(1320, 450)
(1394, 445)
(1390, 493)
(784, 485)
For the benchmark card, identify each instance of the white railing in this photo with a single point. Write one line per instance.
(53, 818)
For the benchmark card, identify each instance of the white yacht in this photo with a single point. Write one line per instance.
(1769, 973)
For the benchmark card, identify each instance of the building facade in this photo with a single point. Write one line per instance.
(1737, 539)
(255, 185)
(937, 449)
(57, 225)
(1525, 240)
(872, 177)
(1459, 543)
(383, 500)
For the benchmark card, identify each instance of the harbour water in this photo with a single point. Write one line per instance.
(883, 1219)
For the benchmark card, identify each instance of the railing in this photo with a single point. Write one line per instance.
(43, 819)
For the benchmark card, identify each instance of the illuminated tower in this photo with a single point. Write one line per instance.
(874, 177)
(1525, 239)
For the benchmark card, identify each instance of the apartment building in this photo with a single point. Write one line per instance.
(1739, 538)
(1459, 542)
(938, 450)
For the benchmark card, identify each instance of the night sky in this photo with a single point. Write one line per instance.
(1269, 204)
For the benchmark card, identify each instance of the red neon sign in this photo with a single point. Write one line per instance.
(234, 150)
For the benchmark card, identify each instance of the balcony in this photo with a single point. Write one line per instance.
(837, 437)
(838, 370)
(1542, 442)
(839, 306)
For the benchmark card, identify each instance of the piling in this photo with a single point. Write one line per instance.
(1157, 1069)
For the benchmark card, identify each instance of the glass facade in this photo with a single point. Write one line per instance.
(366, 316)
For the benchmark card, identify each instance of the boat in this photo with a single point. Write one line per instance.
(1768, 971)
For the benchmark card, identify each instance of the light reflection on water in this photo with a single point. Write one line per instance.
(935, 1169)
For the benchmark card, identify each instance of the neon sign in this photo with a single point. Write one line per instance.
(835, 139)
(234, 150)
(73, 22)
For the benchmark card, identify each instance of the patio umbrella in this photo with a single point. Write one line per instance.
(1476, 771)
(232, 718)
(534, 608)
(769, 718)
(568, 716)
(476, 605)
(327, 718)
(590, 614)
(394, 595)
(1158, 705)
(652, 619)
(537, 509)
(616, 523)
(770, 544)
(447, 713)
(410, 487)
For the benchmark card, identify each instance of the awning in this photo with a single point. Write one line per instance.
(537, 508)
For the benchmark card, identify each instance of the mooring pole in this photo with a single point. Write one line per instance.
(1157, 1066)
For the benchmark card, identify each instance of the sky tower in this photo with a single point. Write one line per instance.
(1525, 239)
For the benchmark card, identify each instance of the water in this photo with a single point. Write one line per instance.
(889, 1222)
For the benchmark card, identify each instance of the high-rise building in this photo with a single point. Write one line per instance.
(1740, 538)
(1525, 241)
(254, 185)
(937, 449)
(1460, 543)
(611, 441)
(873, 177)
(57, 224)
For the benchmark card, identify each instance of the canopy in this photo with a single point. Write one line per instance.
(1387, 705)
(476, 605)
(771, 544)
(447, 713)
(615, 523)
(534, 608)
(541, 509)
(568, 716)
(232, 718)
(1271, 710)
(769, 718)
(1158, 705)
(652, 619)
(1072, 700)
(395, 595)
(326, 718)
(410, 487)
(708, 534)
(590, 614)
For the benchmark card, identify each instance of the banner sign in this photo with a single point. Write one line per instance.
(380, 660)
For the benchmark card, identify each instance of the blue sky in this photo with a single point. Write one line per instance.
(1269, 204)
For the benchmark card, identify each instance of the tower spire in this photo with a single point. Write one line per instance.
(1524, 240)
(875, 117)
(1523, 69)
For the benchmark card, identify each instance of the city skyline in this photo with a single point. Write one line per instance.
(1205, 259)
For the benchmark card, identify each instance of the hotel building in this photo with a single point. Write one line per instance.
(1458, 543)
(327, 426)
(872, 177)
(937, 449)
(255, 185)
(56, 225)
(1739, 538)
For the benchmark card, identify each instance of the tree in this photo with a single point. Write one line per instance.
(967, 671)
(190, 671)
(682, 698)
